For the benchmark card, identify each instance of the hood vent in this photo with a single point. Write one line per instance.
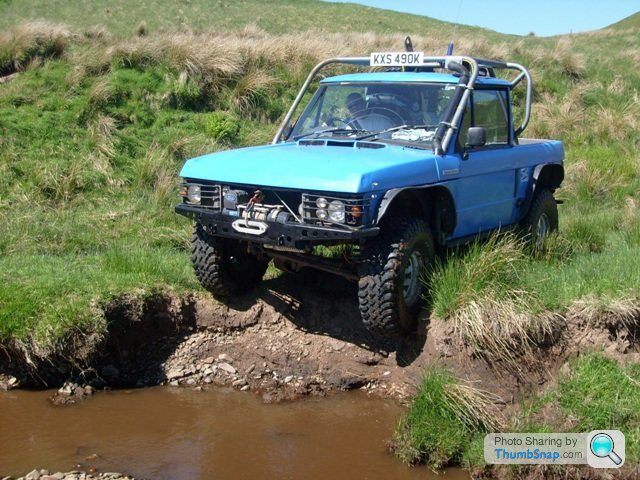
(338, 143)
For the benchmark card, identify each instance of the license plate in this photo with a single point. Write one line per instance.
(396, 59)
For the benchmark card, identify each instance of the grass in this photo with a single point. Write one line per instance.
(481, 292)
(599, 393)
(122, 17)
(446, 422)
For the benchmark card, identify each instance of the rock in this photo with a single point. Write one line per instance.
(67, 389)
(245, 388)
(191, 381)
(250, 369)
(241, 382)
(208, 371)
(175, 373)
(208, 360)
(174, 383)
(33, 475)
(288, 378)
(110, 372)
(13, 382)
(370, 360)
(223, 357)
(227, 368)
(386, 373)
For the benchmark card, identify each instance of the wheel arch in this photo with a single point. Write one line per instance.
(546, 176)
(434, 204)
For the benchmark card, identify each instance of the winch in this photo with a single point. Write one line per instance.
(252, 213)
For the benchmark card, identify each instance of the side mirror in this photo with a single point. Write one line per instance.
(476, 137)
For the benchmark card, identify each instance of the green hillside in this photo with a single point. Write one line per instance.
(121, 16)
(632, 21)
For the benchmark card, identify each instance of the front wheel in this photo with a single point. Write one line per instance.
(392, 276)
(224, 266)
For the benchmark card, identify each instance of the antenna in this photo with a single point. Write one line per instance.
(455, 28)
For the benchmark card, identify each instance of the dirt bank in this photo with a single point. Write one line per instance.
(292, 338)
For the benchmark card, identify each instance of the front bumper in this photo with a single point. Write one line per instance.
(279, 234)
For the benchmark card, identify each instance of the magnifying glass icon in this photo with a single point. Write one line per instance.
(602, 447)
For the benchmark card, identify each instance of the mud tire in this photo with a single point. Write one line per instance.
(540, 221)
(384, 269)
(224, 266)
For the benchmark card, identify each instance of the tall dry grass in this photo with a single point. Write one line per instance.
(31, 42)
(479, 295)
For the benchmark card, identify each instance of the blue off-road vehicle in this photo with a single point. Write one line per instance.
(392, 163)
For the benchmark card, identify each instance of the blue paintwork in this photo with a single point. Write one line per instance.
(488, 185)
(421, 77)
(317, 168)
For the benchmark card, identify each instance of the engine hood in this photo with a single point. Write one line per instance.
(332, 166)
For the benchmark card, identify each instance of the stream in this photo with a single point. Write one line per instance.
(178, 433)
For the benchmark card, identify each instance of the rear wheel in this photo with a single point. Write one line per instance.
(224, 266)
(541, 220)
(392, 276)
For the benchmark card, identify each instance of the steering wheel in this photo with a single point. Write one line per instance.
(336, 121)
(381, 112)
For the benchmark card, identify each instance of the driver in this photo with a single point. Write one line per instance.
(363, 118)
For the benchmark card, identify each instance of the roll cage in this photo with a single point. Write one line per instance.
(468, 69)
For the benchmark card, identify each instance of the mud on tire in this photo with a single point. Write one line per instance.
(540, 221)
(388, 296)
(224, 266)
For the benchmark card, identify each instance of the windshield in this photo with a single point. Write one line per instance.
(405, 112)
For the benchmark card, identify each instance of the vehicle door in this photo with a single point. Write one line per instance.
(485, 193)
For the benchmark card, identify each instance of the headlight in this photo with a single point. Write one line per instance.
(194, 194)
(322, 214)
(336, 211)
(322, 202)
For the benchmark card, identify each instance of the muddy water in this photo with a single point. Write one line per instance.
(219, 434)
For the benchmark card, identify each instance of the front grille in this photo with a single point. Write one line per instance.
(211, 196)
(352, 204)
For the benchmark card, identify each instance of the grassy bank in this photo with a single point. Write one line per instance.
(447, 421)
